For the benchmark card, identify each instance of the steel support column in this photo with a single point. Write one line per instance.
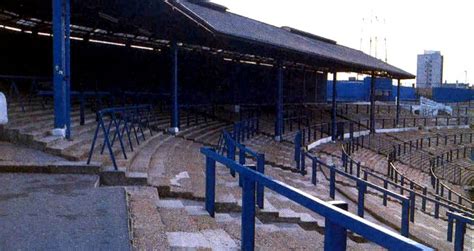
(279, 104)
(372, 104)
(334, 107)
(398, 101)
(61, 66)
(174, 90)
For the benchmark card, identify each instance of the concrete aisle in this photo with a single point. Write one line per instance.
(61, 212)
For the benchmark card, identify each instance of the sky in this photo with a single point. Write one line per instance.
(409, 26)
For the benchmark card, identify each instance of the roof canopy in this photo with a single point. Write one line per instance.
(198, 25)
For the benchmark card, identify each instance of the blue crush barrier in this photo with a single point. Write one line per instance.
(338, 221)
(402, 183)
(98, 98)
(122, 121)
(196, 114)
(398, 181)
(241, 131)
(14, 91)
(461, 222)
(362, 185)
(245, 129)
(438, 185)
(232, 145)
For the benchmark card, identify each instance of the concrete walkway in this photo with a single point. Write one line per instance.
(61, 212)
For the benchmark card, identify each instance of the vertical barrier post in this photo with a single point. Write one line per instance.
(459, 235)
(248, 215)
(405, 218)
(412, 206)
(210, 185)
(423, 200)
(335, 236)
(314, 174)
(362, 187)
(260, 188)
(332, 182)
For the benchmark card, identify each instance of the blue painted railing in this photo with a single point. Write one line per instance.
(14, 90)
(439, 186)
(196, 114)
(241, 131)
(437, 199)
(362, 185)
(122, 122)
(98, 98)
(337, 222)
(461, 222)
(400, 182)
(245, 129)
(231, 146)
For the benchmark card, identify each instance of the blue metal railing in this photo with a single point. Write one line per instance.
(398, 181)
(241, 131)
(337, 223)
(461, 222)
(245, 129)
(97, 96)
(393, 174)
(122, 121)
(231, 146)
(14, 91)
(362, 185)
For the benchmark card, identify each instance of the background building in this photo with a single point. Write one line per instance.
(429, 72)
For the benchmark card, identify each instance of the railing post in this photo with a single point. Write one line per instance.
(248, 215)
(315, 171)
(423, 200)
(385, 185)
(210, 185)
(303, 163)
(332, 182)
(362, 187)
(241, 162)
(412, 206)
(335, 236)
(405, 217)
(260, 188)
(436, 212)
(459, 235)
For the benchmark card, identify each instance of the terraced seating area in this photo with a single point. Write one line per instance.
(32, 128)
(173, 164)
(180, 178)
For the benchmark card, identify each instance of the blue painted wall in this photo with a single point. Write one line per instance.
(449, 95)
(360, 90)
(406, 93)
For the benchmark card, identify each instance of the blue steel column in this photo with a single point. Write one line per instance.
(59, 63)
(333, 108)
(398, 101)
(372, 104)
(174, 89)
(279, 104)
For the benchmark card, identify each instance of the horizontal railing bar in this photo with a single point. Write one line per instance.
(369, 230)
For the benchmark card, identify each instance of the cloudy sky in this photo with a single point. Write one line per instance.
(409, 26)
